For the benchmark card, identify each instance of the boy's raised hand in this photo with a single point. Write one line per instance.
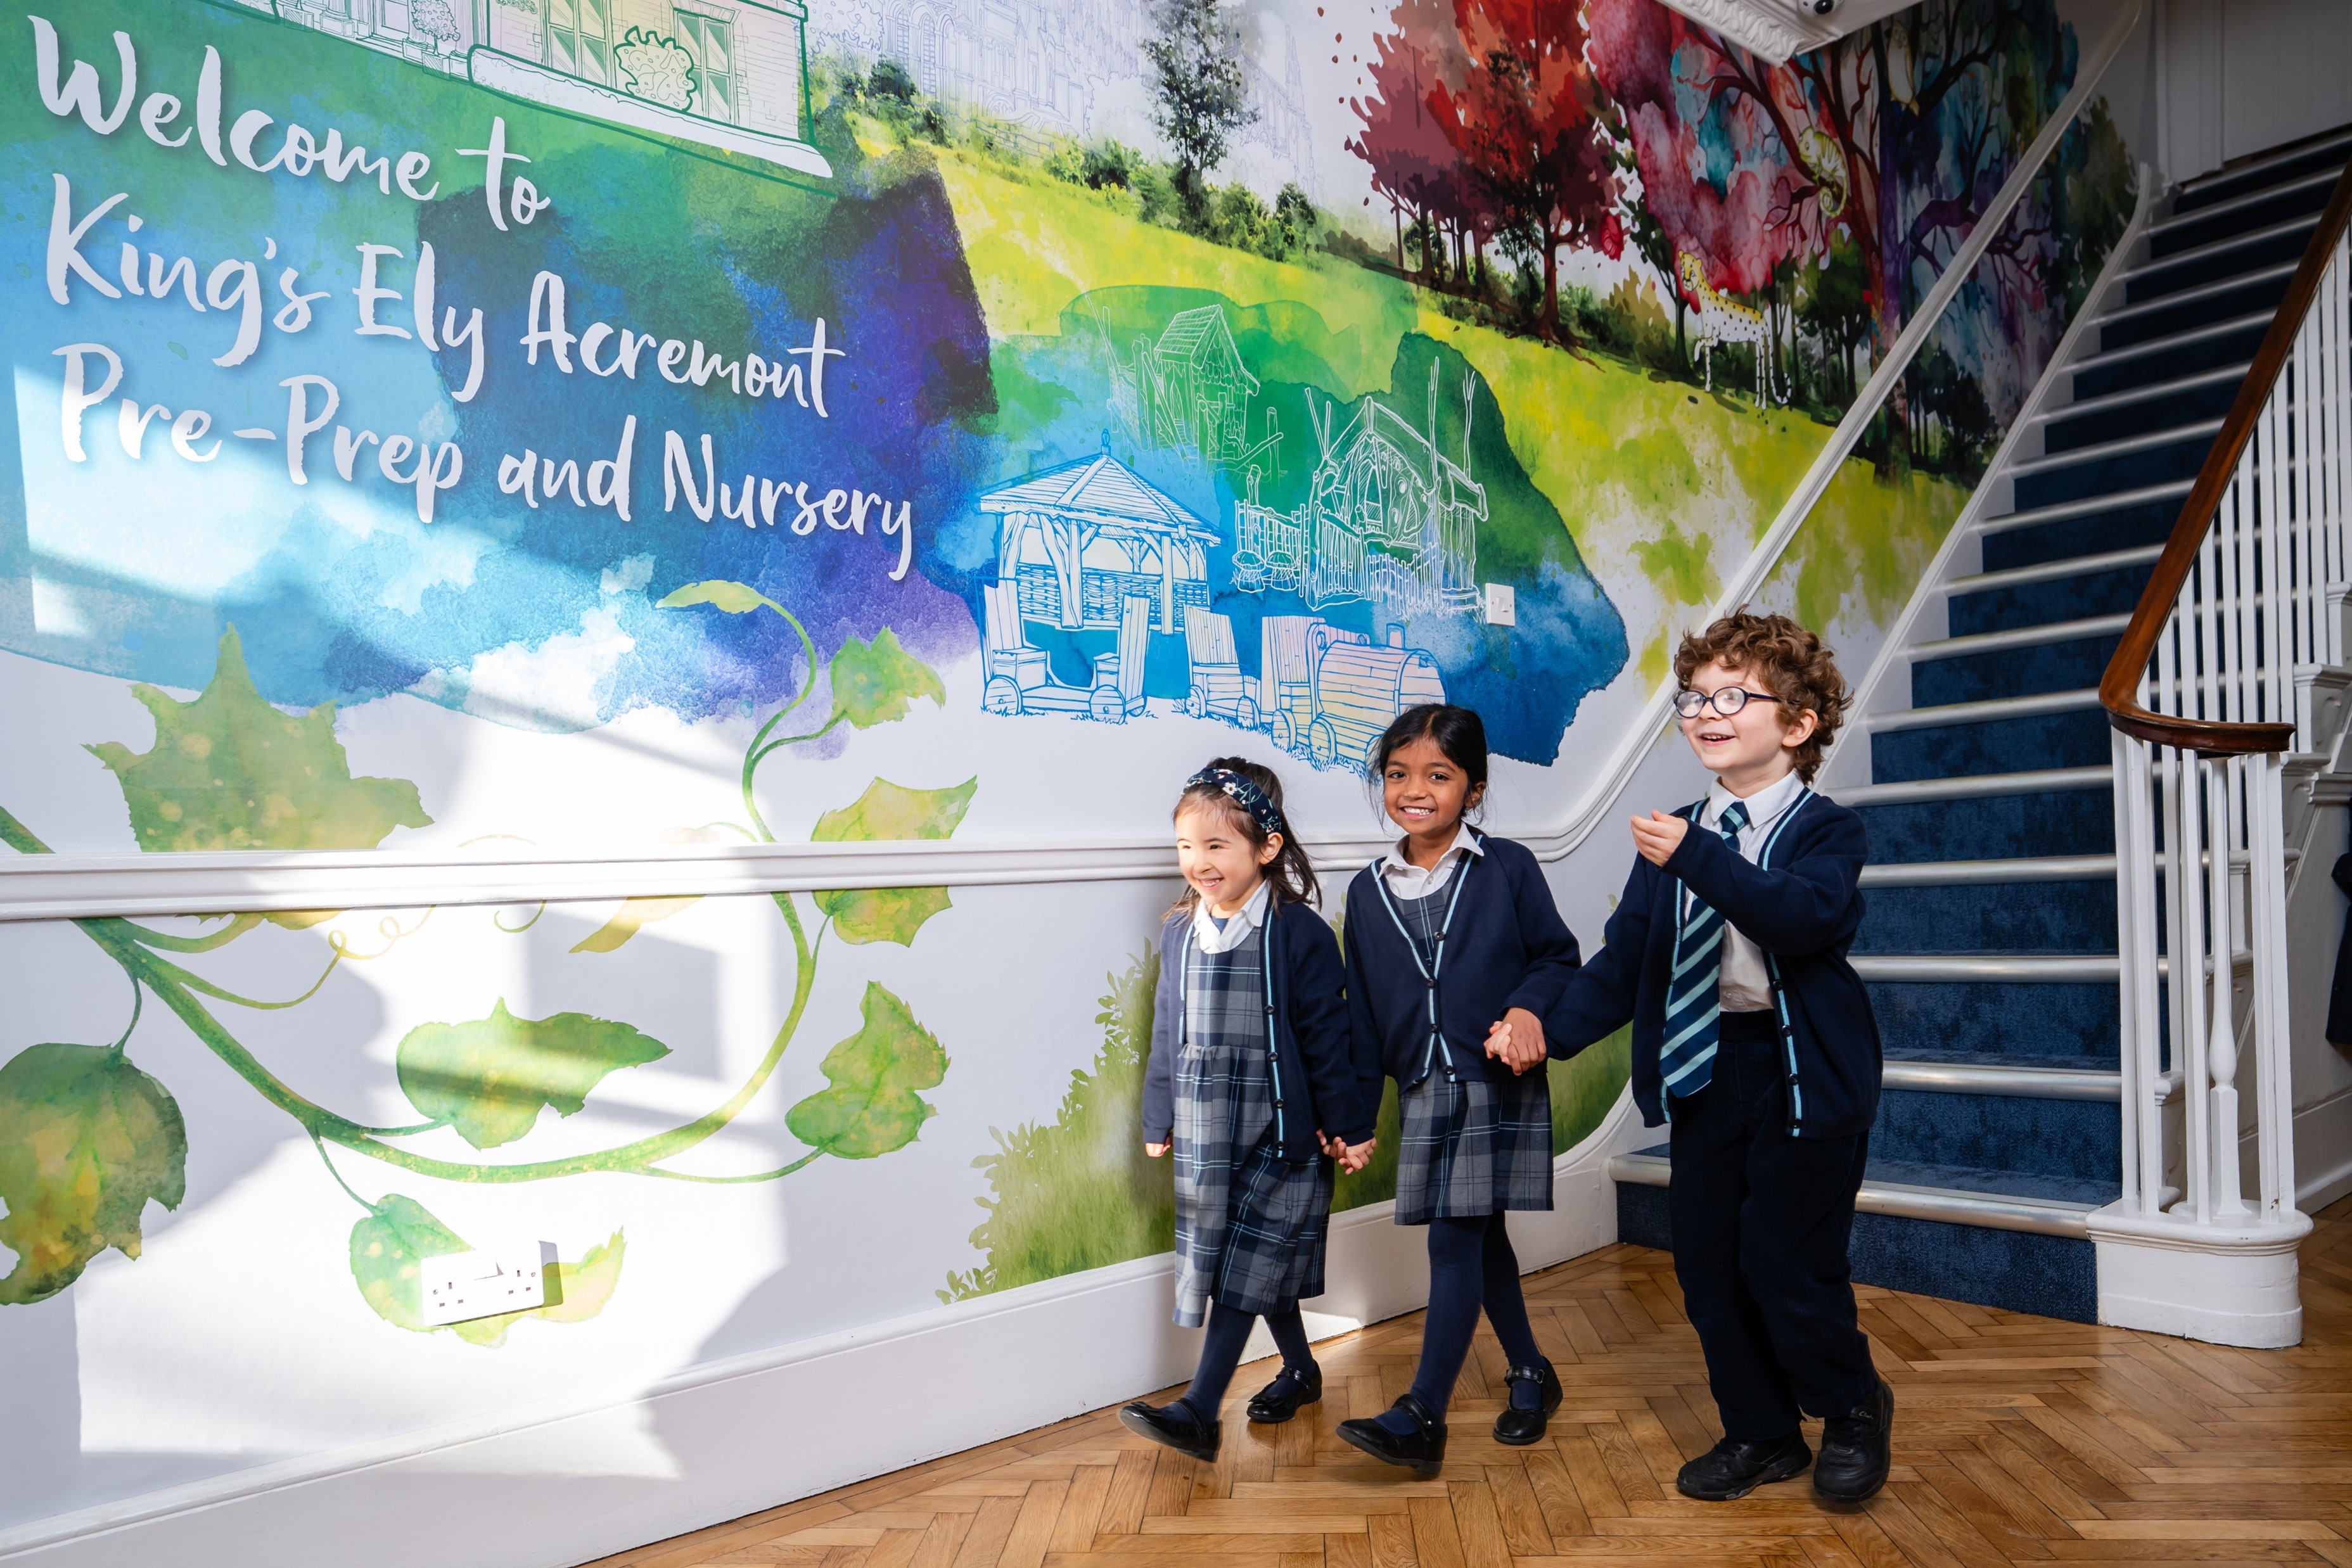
(1658, 838)
(1516, 1040)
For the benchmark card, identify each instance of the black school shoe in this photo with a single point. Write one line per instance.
(1422, 1451)
(1174, 1425)
(1857, 1449)
(1519, 1427)
(1278, 1401)
(1733, 1469)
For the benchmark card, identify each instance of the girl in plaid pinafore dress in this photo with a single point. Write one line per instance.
(1448, 934)
(1253, 1084)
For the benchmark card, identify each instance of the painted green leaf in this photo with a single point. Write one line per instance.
(229, 771)
(872, 1107)
(489, 1077)
(386, 1250)
(635, 913)
(735, 598)
(86, 1140)
(888, 810)
(874, 681)
(400, 1233)
(881, 914)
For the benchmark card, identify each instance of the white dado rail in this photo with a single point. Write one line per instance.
(82, 886)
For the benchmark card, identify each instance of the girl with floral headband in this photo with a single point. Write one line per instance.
(1252, 1084)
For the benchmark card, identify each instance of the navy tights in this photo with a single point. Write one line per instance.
(1221, 1351)
(1471, 1266)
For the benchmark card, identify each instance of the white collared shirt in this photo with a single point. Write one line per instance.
(1406, 880)
(1212, 938)
(1744, 986)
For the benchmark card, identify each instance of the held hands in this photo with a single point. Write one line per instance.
(1659, 837)
(1516, 1040)
(1350, 1157)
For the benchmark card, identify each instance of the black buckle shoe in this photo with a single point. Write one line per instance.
(1175, 1425)
(1733, 1469)
(1278, 1401)
(1858, 1449)
(1519, 1427)
(1420, 1451)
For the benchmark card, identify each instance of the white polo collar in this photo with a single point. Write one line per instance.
(1764, 807)
(1464, 840)
(1237, 928)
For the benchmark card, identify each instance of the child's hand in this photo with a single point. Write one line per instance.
(1353, 1157)
(1155, 1150)
(1658, 838)
(1516, 1040)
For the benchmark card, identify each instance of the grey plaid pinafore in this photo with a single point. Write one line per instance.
(1250, 1224)
(1469, 1147)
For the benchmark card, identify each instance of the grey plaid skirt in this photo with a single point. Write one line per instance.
(1250, 1224)
(1471, 1148)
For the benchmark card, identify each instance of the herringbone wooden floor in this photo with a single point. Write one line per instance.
(2017, 1439)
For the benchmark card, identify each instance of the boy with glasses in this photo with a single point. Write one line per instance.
(1753, 1037)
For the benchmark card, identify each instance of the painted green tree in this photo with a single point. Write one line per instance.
(87, 1139)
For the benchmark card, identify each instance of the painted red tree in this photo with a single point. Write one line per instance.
(1528, 117)
(1415, 158)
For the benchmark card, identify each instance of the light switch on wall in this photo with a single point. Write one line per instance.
(458, 1286)
(1502, 604)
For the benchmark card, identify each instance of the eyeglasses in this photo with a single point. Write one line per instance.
(1725, 700)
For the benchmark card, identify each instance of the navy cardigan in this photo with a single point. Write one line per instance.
(1315, 1075)
(1802, 907)
(1507, 948)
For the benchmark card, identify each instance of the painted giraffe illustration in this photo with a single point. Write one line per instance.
(1725, 320)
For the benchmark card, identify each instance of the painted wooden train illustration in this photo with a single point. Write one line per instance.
(1090, 547)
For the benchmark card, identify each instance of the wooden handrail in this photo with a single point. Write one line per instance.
(2119, 687)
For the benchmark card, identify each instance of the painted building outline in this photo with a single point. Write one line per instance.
(1391, 518)
(1090, 546)
(728, 74)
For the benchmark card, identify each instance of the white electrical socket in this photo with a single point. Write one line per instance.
(458, 1286)
(1502, 604)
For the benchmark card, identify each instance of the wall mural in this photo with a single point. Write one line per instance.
(443, 422)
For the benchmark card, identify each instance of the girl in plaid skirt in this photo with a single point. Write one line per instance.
(1450, 933)
(1252, 1084)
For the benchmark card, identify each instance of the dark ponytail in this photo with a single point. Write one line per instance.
(1291, 874)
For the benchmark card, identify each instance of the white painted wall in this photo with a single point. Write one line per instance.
(2231, 77)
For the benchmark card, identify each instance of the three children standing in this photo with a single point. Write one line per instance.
(1752, 1035)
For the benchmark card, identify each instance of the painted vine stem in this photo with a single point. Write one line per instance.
(882, 678)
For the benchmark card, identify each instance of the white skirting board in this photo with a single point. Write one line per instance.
(758, 1430)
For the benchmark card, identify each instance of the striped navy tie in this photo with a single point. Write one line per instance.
(1686, 1060)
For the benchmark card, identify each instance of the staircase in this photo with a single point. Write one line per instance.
(1989, 946)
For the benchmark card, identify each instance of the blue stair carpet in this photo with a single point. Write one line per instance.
(1978, 970)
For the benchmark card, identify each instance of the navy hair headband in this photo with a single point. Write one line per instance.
(1244, 790)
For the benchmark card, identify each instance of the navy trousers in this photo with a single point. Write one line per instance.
(1761, 1222)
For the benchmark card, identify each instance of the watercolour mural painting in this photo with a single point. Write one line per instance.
(618, 423)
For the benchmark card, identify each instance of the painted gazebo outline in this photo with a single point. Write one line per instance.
(1087, 545)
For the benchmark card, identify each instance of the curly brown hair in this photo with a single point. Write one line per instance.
(1798, 666)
